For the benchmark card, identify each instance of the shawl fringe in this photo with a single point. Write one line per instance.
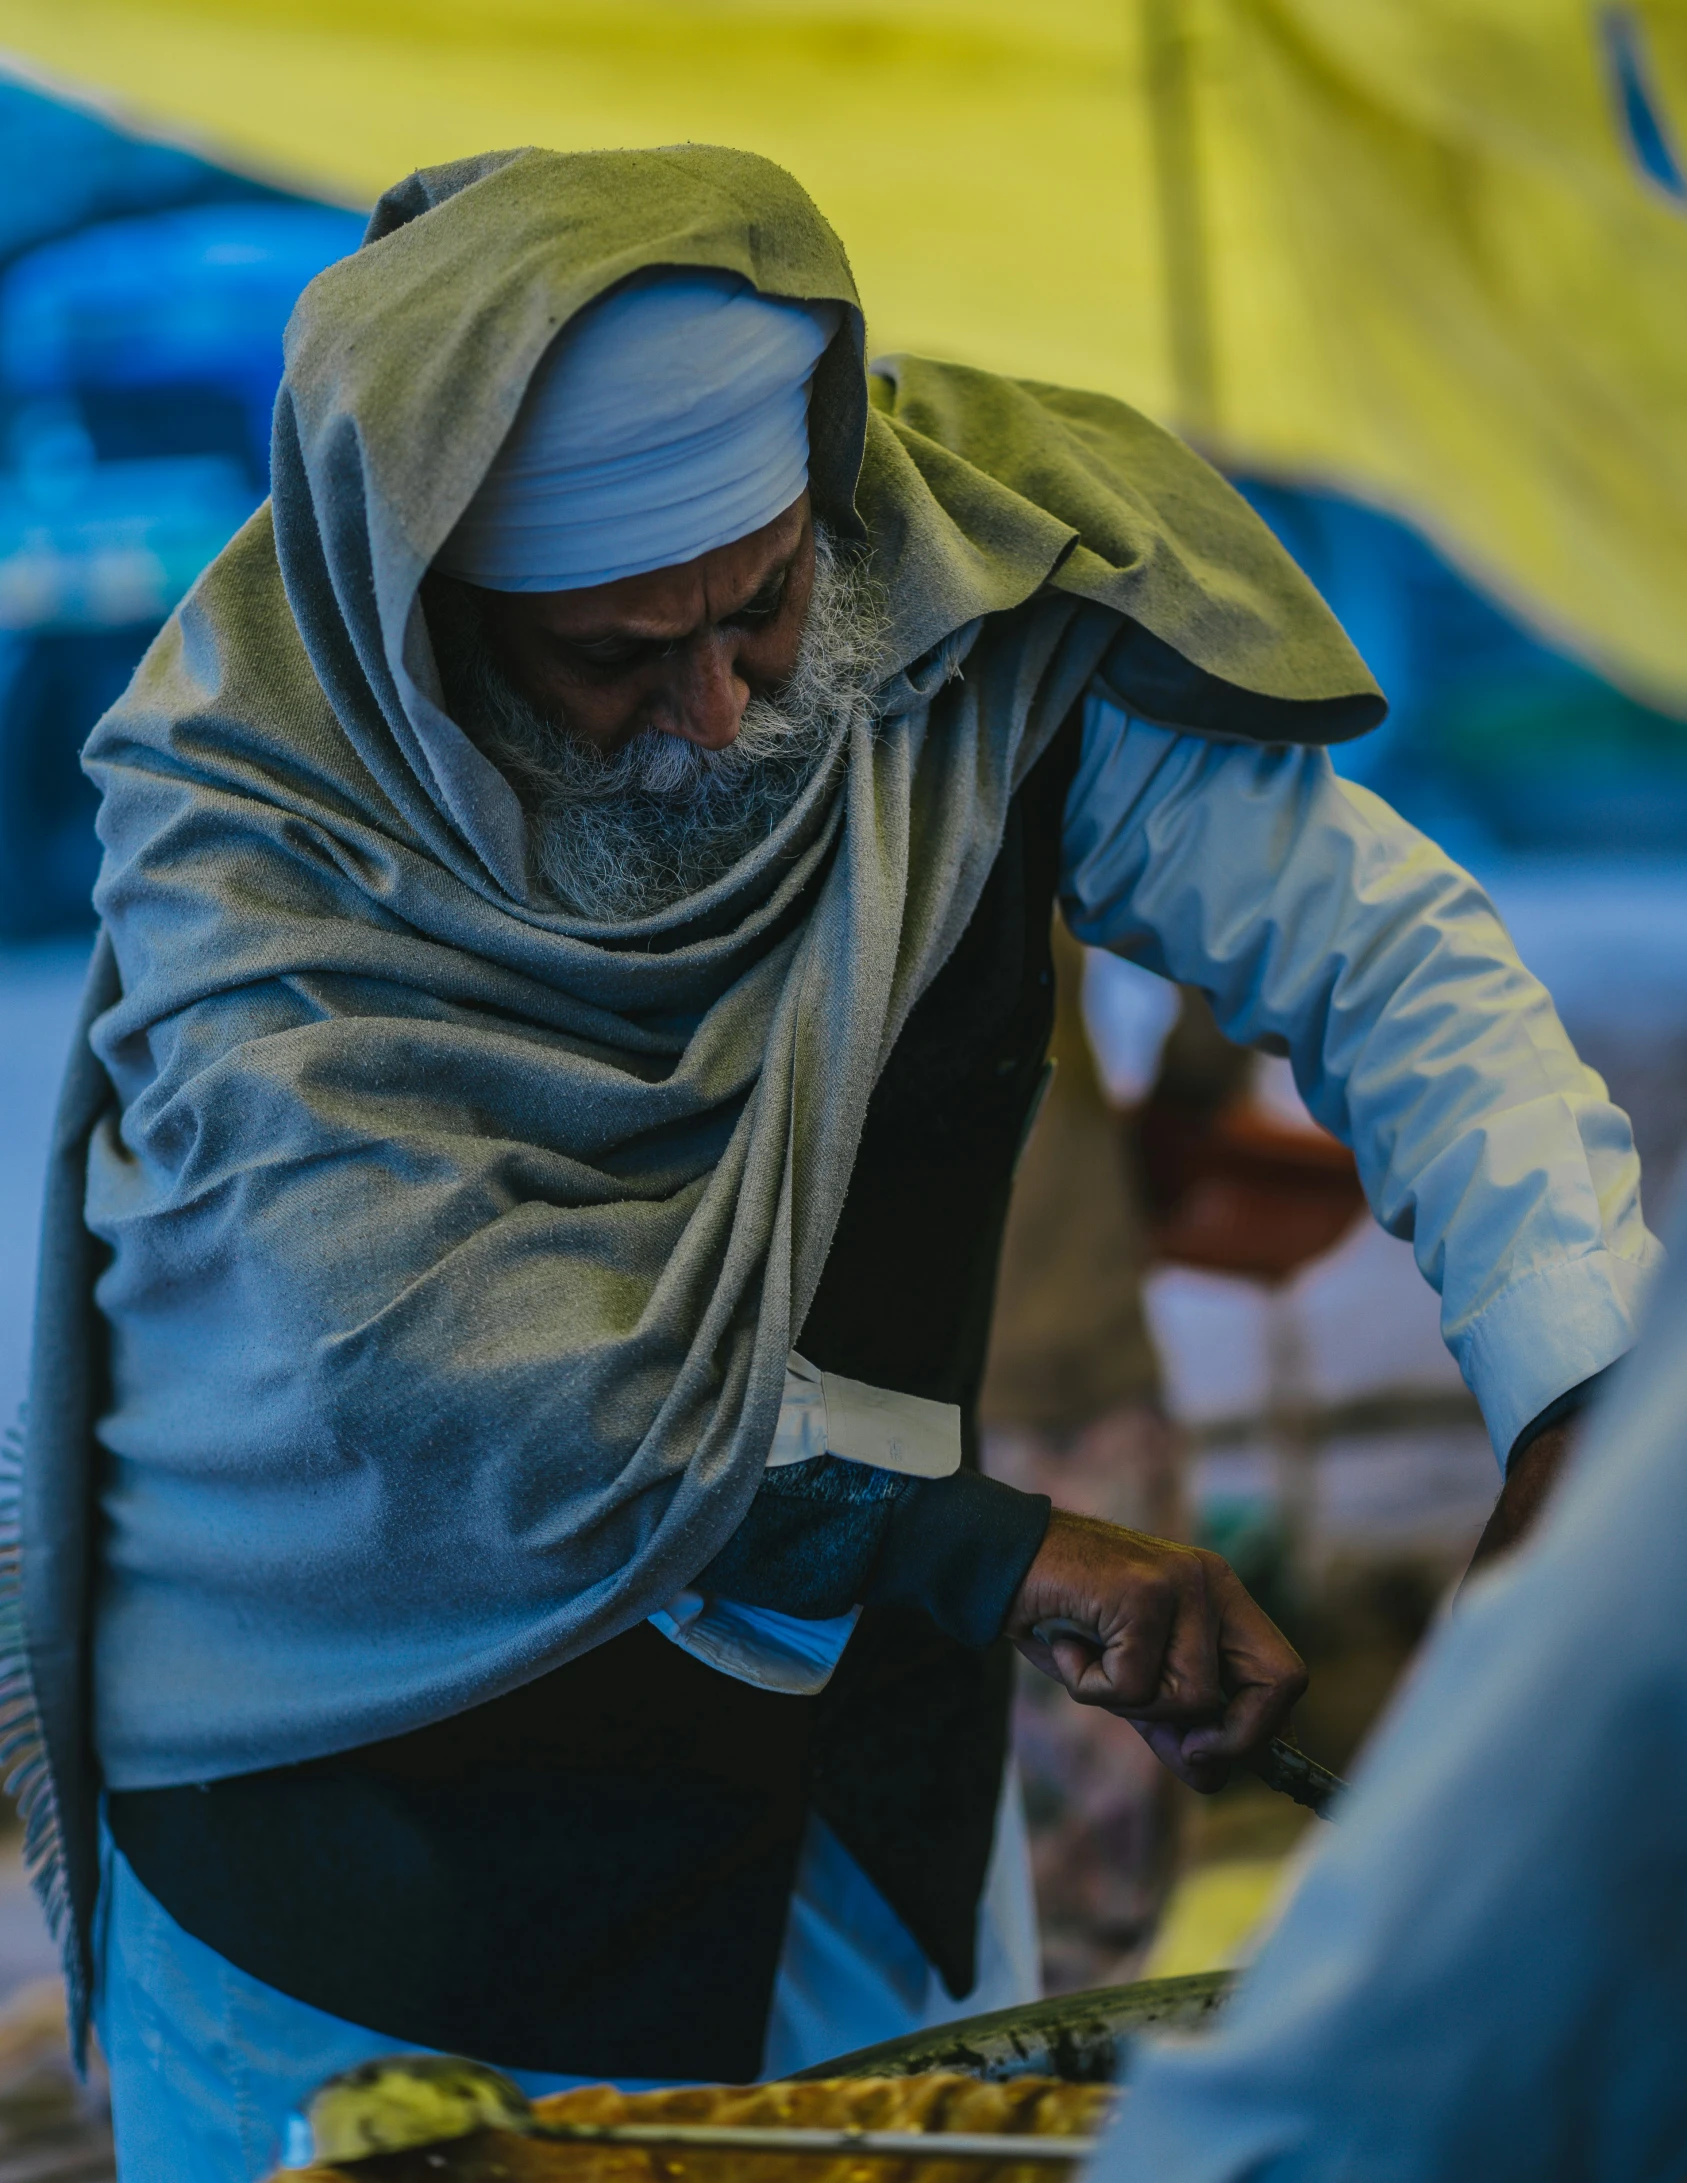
(26, 1771)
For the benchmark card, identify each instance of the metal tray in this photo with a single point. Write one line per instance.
(1084, 2038)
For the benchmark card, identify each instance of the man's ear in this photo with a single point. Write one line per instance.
(456, 624)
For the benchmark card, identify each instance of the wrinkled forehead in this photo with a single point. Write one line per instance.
(669, 420)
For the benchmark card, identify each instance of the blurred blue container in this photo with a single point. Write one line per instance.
(139, 361)
(167, 330)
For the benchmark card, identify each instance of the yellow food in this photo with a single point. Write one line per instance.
(936, 2102)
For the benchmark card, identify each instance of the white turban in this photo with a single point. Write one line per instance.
(668, 419)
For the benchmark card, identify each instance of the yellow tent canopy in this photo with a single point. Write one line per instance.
(1430, 251)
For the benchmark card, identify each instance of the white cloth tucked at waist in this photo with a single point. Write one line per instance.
(822, 1414)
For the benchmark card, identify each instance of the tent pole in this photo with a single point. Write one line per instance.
(1169, 76)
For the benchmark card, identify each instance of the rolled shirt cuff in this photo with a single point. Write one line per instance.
(1548, 1334)
(1571, 1403)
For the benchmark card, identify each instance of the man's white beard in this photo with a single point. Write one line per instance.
(626, 835)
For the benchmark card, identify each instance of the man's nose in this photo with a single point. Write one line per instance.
(709, 696)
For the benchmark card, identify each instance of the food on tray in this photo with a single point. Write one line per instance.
(932, 2103)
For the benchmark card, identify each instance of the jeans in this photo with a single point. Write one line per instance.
(207, 2064)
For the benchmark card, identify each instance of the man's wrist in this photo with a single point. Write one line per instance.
(1529, 1484)
(1532, 1466)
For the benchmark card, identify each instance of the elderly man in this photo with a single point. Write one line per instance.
(503, 1566)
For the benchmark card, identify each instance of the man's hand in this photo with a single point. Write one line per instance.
(1162, 1634)
(1528, 1487)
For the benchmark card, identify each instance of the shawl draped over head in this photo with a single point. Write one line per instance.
(448, 1250)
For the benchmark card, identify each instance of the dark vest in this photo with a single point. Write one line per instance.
(592, 1874)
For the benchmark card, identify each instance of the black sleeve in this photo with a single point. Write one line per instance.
(1573, 1400)
(824, 1536)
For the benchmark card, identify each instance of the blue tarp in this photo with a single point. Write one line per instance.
(1496, 740)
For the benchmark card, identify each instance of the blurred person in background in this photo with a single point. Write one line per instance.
(578, 872)
(1479, 1973)
(1071, 1407)
(1145, 1149)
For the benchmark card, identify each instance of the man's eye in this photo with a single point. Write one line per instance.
(614, 651)
(763, 608)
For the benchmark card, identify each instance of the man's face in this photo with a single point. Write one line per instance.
(680, 650)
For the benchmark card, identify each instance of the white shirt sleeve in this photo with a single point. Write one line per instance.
(1324, 927)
